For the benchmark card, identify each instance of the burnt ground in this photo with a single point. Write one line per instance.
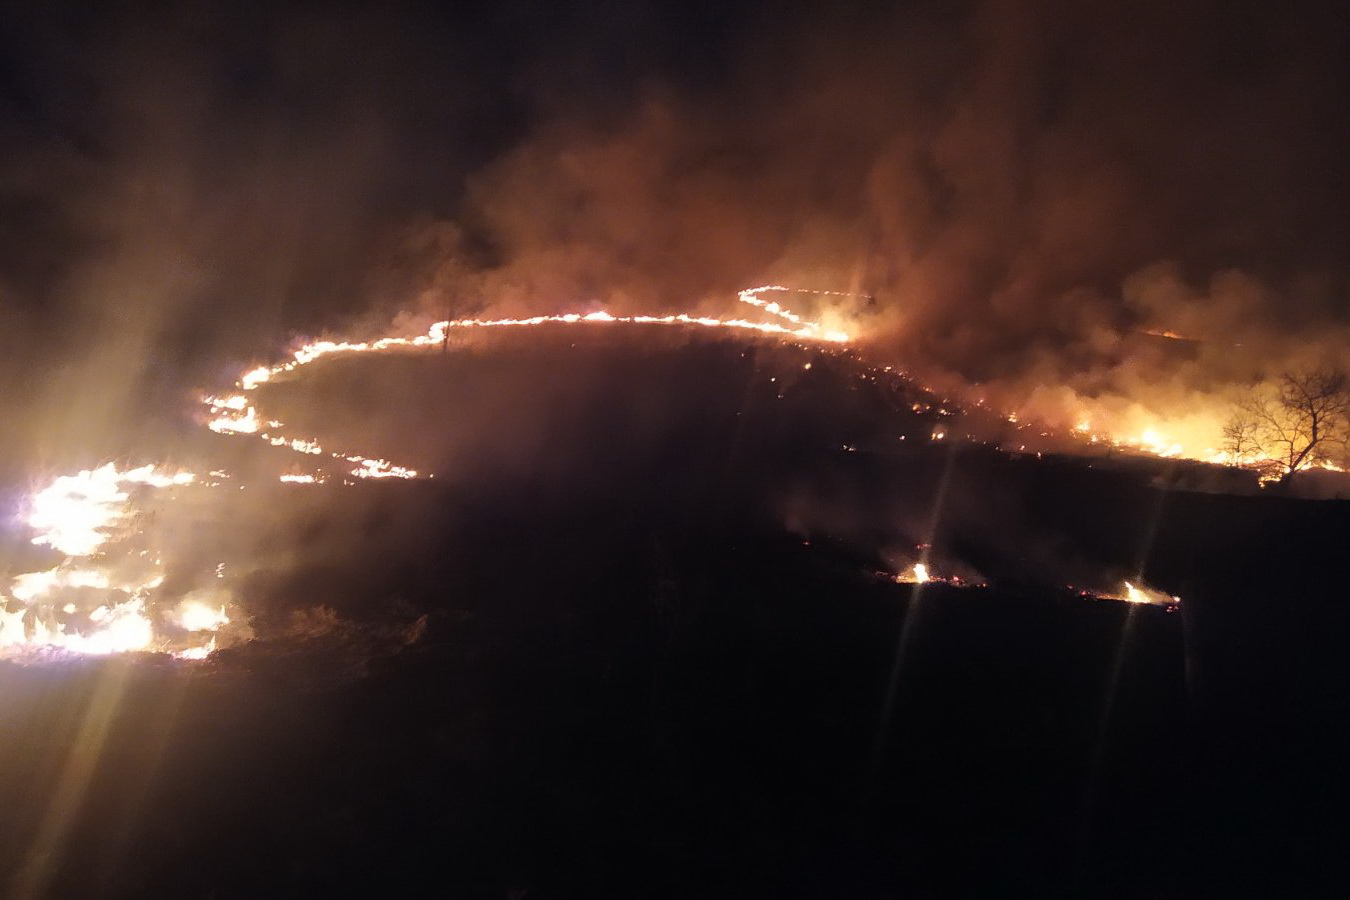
(634, 640)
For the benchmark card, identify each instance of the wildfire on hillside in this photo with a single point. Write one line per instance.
(105, 593)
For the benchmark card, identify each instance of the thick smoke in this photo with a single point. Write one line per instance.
(1023, 188)
(1026, 190)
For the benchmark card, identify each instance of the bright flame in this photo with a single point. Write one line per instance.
(379, 468)
(1142, 595)
(201, 652)
(12, 630)
(120, 627)
(75, 512)
(194, 615)
(922, 573)
(32, 585)
(1195, 435)
(78, 515)
(232, 415)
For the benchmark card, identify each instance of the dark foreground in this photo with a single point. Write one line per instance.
(641, 671)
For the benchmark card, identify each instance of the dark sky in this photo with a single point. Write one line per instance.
(1020, 184)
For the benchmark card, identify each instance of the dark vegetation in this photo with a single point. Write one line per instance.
(632, 641)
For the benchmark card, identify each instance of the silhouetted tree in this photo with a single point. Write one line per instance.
(1304, 419)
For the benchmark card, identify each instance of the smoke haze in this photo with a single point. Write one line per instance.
(1023, 188)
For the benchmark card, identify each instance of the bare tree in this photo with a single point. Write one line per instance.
(1305, 419)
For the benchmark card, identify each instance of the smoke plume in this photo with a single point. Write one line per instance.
(1023, 190)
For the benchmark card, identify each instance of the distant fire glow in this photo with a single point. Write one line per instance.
(1141, 594)
(927, 573)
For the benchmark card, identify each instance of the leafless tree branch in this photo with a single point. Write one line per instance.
(1305, 419)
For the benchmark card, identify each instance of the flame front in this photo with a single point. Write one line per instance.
(235, 414)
